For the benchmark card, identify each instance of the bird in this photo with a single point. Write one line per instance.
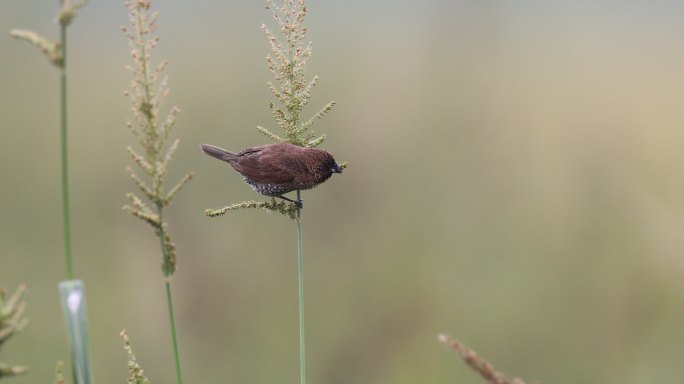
(279, 168)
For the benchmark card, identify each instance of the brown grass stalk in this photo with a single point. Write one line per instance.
(477, 363)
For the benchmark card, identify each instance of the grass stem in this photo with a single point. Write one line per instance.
(169, 298)
(172, 321)
(64, 148)
(300, 274)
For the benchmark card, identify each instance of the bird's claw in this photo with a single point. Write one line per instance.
(299, 203)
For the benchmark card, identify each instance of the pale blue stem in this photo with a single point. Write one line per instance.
(72, 293)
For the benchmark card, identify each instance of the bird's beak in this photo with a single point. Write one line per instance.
(337, 169)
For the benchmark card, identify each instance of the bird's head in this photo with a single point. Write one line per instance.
(325, 164)
(331, 164)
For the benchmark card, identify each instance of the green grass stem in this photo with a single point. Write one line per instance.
(172, 322)
(300, 274)
(64, 147)
(169, 299)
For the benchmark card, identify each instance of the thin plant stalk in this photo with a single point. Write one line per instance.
(172, 321)
(64, 147)
(300, 275)
(76, 318)
(169, 303)
(148, 90)
(72, 291)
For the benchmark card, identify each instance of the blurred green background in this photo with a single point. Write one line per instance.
(515, 180)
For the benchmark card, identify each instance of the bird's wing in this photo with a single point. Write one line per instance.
(271, 167)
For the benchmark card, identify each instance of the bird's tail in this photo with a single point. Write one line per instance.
(217, 152)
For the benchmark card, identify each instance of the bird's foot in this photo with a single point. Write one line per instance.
(299, 203)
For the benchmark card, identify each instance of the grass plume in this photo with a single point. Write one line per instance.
(136, 375)
(290, 53)
(287, 209)
(55, 51)
(12, 321)
(477, 363)
(147, 92)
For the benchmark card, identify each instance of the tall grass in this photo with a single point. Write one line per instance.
(287, 62)
(75, 316)
(147, 93)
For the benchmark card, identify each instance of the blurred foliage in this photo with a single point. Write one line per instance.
(59, 374)
(12, 321)
(53, 50)
(477, 363)
(136, 374)
(517, 183)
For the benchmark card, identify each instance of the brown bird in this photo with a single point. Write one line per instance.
(279, 168)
